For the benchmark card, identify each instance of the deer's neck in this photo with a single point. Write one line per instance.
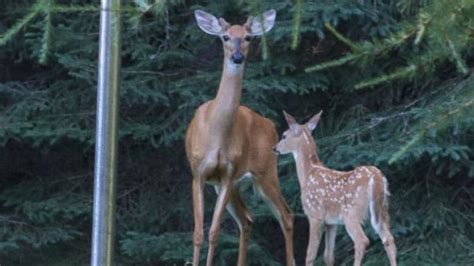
(225, 105)
(306, 158)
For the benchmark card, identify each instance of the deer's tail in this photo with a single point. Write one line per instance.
(378, 201)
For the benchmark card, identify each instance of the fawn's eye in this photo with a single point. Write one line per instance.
(283, 136)
(226, 38)
(248, 38)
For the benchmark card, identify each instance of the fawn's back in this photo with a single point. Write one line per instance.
(332, 195)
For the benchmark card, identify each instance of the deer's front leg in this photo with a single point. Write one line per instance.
(198, 209)
(314, 239)
(222, 200)
(330, 231)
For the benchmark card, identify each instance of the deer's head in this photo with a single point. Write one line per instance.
(297, 136)
(235, 38)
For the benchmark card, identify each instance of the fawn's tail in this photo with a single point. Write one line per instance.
(378, 198)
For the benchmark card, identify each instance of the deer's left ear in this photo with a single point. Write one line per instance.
(313, 122)
(259, 25)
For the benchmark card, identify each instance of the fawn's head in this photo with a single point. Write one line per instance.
(297, 136)
(235, 38)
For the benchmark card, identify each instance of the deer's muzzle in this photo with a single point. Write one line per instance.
(237, 57)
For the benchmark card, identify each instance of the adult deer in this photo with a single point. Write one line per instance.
(331, 197)
(226, 141)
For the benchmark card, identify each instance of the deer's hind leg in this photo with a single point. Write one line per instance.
(269, 188)
(354, 228)
(222, 200)
(243, 218)
(380, 219)
(383, 230)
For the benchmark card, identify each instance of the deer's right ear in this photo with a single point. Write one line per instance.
(290, 120)
(208, 23)
(313, 122)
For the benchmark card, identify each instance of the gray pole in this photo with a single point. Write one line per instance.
(106, 135)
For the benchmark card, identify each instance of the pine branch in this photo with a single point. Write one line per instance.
(343, 39)
(362, 51)
(74, 8)
(460, 64)
(296, 25)
(398, 74)
(442, 118)
(35, 9)
(334, 63)
(46, 39)
(423, 21)
(255, 7)
(443, 19)
(127, 9)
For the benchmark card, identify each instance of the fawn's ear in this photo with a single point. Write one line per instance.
(290, 120)
(209, 23)
(259, 25)
(313, 122)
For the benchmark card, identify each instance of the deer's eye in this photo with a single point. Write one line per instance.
(248, 38)
(283, 136)
(226, 38)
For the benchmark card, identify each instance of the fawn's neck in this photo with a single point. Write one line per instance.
(306, 158)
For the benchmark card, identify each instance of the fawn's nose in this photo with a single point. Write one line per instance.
(275, 150)
(237, 58)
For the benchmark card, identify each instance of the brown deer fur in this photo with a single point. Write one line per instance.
(226, 141)
(331, 197)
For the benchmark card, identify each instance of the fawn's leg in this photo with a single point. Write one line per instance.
(314, 239)
(359, 238)
(330, 242)
(388, 241)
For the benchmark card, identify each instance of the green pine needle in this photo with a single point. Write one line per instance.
(296, 25)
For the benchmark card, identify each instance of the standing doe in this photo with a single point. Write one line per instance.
(331, 197)
(226, 142)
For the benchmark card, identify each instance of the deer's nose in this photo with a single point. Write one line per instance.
(237, 58)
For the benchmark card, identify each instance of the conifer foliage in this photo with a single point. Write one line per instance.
(394, 79)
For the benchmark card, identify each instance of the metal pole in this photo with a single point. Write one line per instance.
(106, 135)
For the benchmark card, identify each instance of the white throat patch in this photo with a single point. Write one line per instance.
(233, 68)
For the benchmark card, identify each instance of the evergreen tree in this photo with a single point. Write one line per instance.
(394, 79)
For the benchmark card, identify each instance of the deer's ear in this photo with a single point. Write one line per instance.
(259, 25)
(210, 24)
(290, 120)
(313, 122)
(224, 24)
